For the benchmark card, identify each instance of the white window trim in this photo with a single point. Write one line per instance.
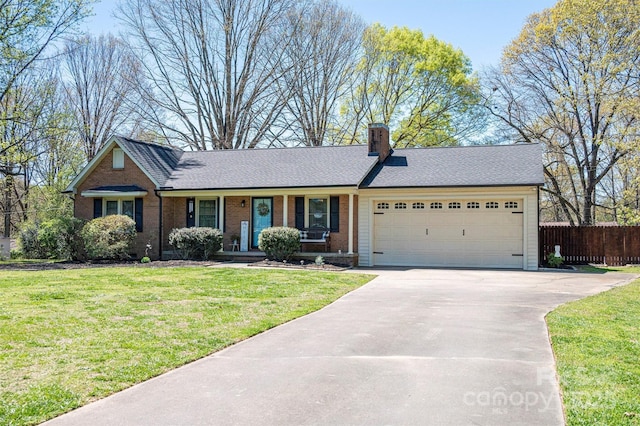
(118, 160)
(217, 209)
(119, 200)
(306, 208)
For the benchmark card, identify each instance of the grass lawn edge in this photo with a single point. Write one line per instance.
(579, 358)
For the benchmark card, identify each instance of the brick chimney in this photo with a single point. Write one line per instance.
(379, 141)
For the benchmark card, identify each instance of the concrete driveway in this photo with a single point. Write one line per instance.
(417, 346)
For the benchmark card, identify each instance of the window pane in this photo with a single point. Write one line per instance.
(207, 213)
(112, 207)
(127, 208)
(318, 208)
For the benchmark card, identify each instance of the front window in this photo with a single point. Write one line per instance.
(207, 213)
(125, 207)
(318, 212)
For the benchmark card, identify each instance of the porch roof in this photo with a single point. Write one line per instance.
(115, 190)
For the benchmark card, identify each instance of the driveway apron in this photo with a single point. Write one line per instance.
(414, 346)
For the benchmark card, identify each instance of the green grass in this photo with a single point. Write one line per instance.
(603, 269)
(73, 336)
(597, 346)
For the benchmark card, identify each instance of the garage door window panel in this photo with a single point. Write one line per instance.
(492, 205)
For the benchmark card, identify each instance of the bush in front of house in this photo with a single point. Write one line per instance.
(57, 238)
(279, 242)
(110, 237)
(196, 243)
(554, 261)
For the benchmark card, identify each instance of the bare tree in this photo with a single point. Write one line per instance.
(26, 117)
(569, 81)
(214, 77)
(323, 54)
(28, 28)
(100, 71)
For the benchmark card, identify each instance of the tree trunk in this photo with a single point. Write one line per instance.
(8, 189)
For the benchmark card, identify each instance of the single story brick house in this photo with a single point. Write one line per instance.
(472, 206)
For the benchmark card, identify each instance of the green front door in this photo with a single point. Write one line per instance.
(261, 217)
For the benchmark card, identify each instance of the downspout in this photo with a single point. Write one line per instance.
(155, 191)
(538, 223)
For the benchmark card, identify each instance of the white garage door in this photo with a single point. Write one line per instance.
(474, 233)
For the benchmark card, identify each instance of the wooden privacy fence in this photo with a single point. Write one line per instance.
(609, 245)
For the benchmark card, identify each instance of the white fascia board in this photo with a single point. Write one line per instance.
(91, 165)
(120, 194)
(259, 192)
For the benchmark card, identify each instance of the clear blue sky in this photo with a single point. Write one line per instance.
(481, 28)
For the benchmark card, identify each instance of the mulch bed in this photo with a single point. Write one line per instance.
(47, 266)
(297, 265)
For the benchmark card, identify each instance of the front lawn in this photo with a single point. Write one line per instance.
(597, 346)
(72, 336)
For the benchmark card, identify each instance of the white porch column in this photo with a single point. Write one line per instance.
(221, 213)
(350, 224)
(285, 210)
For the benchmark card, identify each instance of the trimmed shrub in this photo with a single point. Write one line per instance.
(16, 254)
(554, 261)
(109, 237)
(196, 243)
(28, 240)
(279, 242)
(57, 238)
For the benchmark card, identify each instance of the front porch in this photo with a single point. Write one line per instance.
(245, 213)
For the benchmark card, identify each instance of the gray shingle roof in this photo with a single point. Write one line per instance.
(272, 168)
(485, 165)
(157, 160)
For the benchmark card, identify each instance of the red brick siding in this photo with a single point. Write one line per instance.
(340, 239)
(105, 174)
(235, 214)
(174, 215)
